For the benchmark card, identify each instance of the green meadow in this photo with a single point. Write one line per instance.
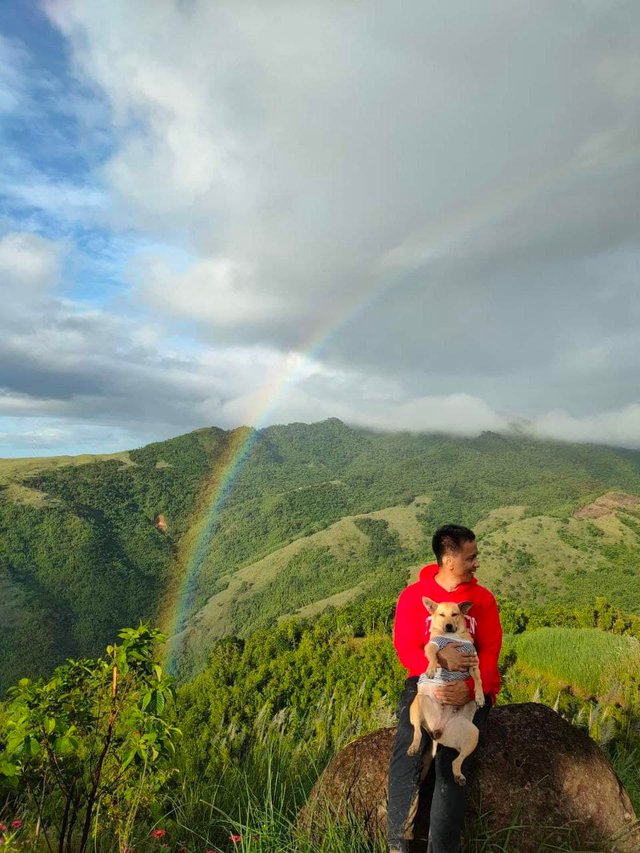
(594, 663)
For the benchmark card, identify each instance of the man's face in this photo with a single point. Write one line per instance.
(463, 564)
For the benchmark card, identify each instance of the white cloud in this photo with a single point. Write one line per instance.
(310, 160)
(620, 428)
(217, 292)
(440, 205)
(457, 414)
(29, 265)
(19, 404)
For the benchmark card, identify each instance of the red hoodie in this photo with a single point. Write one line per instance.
(411, 630)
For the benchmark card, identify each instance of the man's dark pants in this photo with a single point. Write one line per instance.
(449, 799)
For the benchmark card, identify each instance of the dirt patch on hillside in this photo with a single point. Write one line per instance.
(160, 523)
(608, 504)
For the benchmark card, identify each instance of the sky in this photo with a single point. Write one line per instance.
(418, 216)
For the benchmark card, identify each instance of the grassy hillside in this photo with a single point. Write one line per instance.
(532, 560)
(80, 554)
(319, 514)
(596, 665)
(354, 558)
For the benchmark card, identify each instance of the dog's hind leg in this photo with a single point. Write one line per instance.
(435, 717)
(415, 718)
(467, 748)
(462, 735)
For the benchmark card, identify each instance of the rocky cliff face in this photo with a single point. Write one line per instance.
(539, 780)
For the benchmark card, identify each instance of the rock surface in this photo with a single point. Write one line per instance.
(537, 774)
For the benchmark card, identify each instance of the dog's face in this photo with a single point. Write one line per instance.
(447, 617)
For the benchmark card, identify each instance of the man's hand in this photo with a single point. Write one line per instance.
(451, 658)
(454, 693)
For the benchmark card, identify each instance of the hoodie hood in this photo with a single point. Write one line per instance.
(428, 574)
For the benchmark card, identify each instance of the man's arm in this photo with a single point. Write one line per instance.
(488, 640)
(407, 632)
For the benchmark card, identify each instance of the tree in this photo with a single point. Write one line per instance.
(91, 740)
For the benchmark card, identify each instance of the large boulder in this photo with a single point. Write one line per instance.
(539, 781)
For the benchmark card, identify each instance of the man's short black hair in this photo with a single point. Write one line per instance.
(449, 539)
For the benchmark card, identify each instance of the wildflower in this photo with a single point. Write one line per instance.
(158, 833)
(16, 824)
(235, 838)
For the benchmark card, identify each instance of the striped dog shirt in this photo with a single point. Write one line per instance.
(444, 676)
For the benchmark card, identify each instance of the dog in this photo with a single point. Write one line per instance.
(447, 724)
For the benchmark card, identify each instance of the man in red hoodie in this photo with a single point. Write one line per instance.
(451, 578)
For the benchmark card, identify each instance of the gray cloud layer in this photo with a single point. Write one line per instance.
(440, 199)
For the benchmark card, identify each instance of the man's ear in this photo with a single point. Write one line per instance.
(466, 606)
(431, 606)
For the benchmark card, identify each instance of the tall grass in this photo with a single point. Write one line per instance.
(254, 792)
(256, 801)
(251, 806)
(257, 805)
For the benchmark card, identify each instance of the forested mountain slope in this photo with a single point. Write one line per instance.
(318, 514)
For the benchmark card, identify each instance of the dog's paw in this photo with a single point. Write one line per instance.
(431, 671)
(413, 749)
(460, 779)
(480, 700)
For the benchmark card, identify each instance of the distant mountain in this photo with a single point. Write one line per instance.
(232, 529)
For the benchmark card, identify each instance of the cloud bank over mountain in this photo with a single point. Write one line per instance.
(422, 218)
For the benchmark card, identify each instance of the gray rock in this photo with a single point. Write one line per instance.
(540, 781)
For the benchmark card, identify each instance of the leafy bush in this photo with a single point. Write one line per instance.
(91, 746)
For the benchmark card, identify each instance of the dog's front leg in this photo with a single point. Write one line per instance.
(431, 651)
(477, 681)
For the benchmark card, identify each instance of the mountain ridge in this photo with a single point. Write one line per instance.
(81, 553)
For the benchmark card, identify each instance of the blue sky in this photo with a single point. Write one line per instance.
(215, 214)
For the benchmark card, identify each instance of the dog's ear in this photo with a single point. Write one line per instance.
(466, 606)
(431, 606)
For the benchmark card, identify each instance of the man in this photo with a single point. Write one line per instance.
(451, 578)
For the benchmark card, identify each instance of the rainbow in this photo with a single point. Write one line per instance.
(222, 480)
(239, 444)
(447, 237)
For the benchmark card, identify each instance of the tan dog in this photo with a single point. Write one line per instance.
(448, 724)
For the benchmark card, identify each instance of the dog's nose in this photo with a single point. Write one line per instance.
(449, 627)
